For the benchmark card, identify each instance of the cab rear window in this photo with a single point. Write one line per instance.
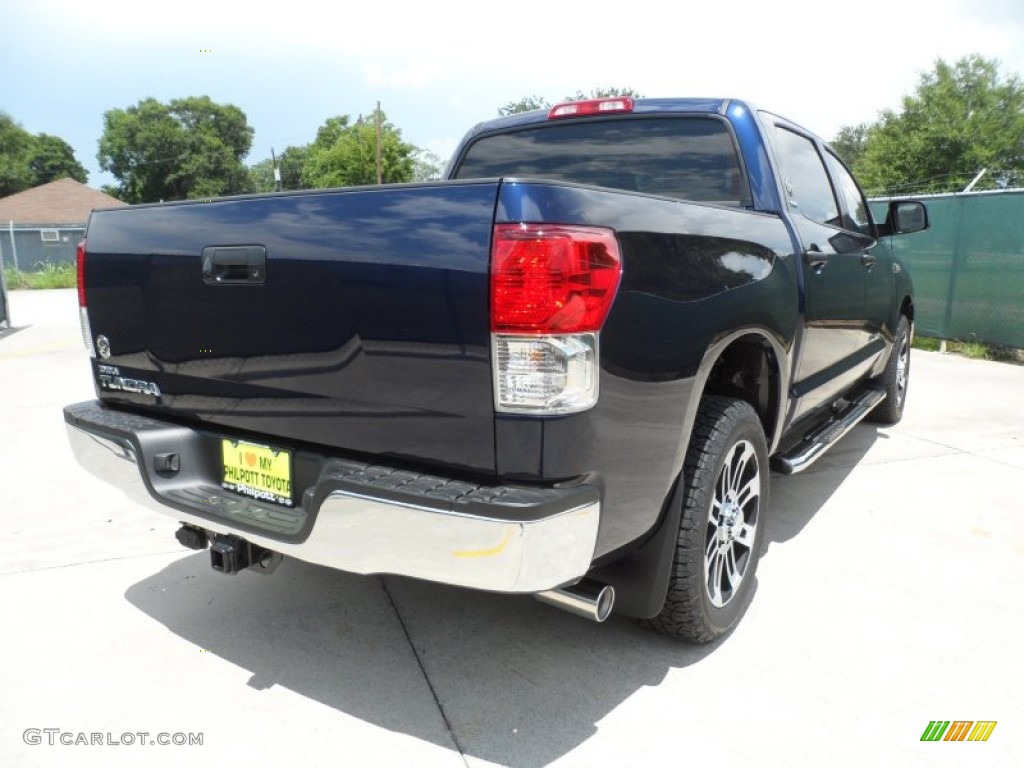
(689, 158)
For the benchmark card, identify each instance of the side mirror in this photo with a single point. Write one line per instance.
(906, 216)
(851, 242)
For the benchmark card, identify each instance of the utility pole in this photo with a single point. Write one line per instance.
(380, 174)
(14, 245)
(277, 171)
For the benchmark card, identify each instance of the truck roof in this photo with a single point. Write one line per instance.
(640, 106)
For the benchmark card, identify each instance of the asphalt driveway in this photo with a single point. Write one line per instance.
(889, 596)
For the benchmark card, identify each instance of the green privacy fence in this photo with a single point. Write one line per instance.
(968, 267)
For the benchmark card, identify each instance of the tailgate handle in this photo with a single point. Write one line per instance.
(234, 265)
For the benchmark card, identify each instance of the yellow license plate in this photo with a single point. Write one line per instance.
(257, 471)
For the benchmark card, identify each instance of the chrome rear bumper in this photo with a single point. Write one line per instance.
(355, 517)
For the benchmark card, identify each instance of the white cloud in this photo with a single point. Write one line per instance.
(443, 146)
(409, 76)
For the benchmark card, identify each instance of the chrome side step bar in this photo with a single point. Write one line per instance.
(824, 437)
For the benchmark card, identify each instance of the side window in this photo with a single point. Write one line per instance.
(857, 217)
(804, 177)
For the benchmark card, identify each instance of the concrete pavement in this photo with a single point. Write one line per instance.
(889, 596)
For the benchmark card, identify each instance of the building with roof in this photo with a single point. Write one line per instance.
(45, 223)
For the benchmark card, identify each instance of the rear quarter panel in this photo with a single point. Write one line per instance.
(692, 274)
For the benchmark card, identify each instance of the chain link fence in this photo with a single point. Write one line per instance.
(26, 248)
(5, 312)
(968, 267)
(5, 315)
(29, 246)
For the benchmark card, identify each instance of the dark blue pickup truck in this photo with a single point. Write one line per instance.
(562, 371)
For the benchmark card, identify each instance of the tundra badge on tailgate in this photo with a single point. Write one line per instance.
(110, 378)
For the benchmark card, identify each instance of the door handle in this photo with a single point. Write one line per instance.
(234, 265)
(815, 259)
(867, 260)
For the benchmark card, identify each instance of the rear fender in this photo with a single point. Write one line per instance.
(641, 578)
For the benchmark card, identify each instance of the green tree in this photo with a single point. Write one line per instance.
(261, 176)
(15, 156)
(427, 166)
(290, 162)
(328, 134)
(525, 104)
(27, 161)
(849, 143)
(604, 93)
(189, 148)
(53, 158)
(961, 118)
(531, 103)
(344, 154)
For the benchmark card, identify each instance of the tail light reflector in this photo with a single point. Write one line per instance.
(80, 270)
(83, 311)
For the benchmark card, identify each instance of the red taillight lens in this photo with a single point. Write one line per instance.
(80, 269)
(592, 107)
(83, 311)
(552, 278)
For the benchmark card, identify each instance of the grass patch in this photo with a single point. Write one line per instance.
(926, 343)
(45, 275)
(14, 279)
(973, 349)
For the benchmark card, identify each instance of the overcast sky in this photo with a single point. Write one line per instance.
(439, 67)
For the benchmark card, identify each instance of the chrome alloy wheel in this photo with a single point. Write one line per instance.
(732, 523)
(902, 369)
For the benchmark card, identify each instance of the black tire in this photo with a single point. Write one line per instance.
(895, 379)
(700, 606)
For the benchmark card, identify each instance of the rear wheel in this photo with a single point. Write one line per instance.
(896, 377)
(724, 499)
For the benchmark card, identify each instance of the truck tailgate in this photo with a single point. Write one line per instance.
(354, 319)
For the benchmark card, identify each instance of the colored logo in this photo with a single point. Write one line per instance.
(958, 730)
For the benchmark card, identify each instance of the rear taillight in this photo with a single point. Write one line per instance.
(617, 104)
(551, 289)
(80, 269)
(83, 311)
(552, 278)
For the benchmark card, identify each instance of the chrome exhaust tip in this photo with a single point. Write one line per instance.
(588, 599)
